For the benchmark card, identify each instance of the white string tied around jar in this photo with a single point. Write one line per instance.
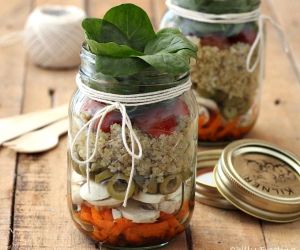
(119, 102)
(236, 18)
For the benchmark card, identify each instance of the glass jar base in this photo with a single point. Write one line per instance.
(213, 144)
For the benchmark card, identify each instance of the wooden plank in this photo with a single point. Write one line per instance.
(42, 220)
(99, 8)
(12, 64)
(279, 114)
(288, 17)
(79, 3)
(285, 236)
(278, 122)
(41, 216)
(214, 228)
(158, 9)
(280, 117)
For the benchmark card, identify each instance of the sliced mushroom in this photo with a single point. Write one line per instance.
(169, 207)
(174, 195)
(77, 178)
(75, 193)
(110, 202)
(148, 198)
(94, 192)
(139, 212)
(208, 103)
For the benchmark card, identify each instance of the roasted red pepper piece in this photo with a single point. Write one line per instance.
(246, 36)
(215, 41)
(162, 120)
(114, 117)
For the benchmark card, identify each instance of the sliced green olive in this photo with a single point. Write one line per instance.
(139, 180)
(96, 167)
(219, 96)
(230, 112)
(235, 106)
(104, 175)
(76, 167)
(117, 186)
(79, 169)
(204, 93)
(170, 184)
(186, 174)
(152, 187)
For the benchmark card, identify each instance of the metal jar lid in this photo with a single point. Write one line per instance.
(260, 179)
(206, 190)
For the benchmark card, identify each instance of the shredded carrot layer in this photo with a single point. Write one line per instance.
(123, 231)
(216, 129)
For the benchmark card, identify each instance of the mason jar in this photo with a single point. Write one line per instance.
(227, 73)
(161, 196)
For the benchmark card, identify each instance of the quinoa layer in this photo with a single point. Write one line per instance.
(221, 75)
(162, 156)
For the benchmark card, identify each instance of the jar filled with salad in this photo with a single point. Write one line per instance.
(228, 71)
(133, 132)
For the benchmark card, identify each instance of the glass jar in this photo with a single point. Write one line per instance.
(161, 197)
(227, 91)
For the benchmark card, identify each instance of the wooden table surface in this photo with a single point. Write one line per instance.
(33, 208)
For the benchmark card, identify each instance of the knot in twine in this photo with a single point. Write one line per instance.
(52, 36)
(119, 102)
(237, 18)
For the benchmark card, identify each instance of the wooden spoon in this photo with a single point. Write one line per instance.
(39, 140)
(15, 126)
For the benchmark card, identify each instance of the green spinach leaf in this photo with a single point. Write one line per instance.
(133, 22)
(173, 63)
(111, 49)
(169, 41)
(125, 44)
(169, 31)
(103, 31)
(120, 67)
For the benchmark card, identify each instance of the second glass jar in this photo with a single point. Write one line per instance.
(227, 93)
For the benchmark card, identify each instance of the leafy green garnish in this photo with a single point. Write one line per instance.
(112, 49)
(118, 67)
(102, 31)
(175, 63)
(133, 22)
(168, 40)
(125, 44)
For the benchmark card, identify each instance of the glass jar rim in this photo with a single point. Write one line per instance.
(219, 7)
(149, 80)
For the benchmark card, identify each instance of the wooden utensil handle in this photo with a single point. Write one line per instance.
(15, 126)
(60, 127)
